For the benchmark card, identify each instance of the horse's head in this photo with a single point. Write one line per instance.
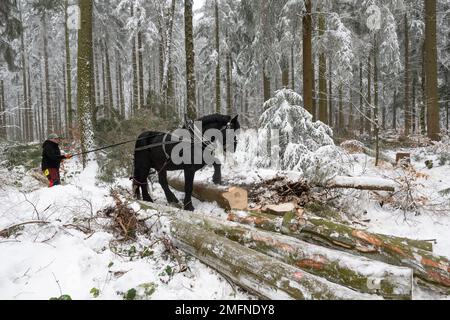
(220, 127)
(230, 135)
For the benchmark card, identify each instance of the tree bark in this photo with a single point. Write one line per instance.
(229, 67)
(26, 128)
(217, 48)
(428, 267)
(47, 77)
(266, 83)
(431, 85)
(369, 97)
(110, 104)
(85, 73)
(308, 85)
(3, 133)
(190, 60)
(323, 105)
(135, 95)
(407, 80)
(141, 67)
(68, 73)
(361, 100)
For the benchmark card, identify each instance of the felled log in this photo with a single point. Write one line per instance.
(279, 209)
(226, 197)
(260, 274)
(361, 183)
(355, 272)
(265, 276)
(427, 266)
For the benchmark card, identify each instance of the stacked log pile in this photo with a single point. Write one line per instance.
(296, 255)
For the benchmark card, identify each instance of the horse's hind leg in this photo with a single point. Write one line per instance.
(171, 198)
(189, 175)
(141, 172)
(217, 177)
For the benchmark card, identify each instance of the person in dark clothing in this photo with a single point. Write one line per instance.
(52, 158)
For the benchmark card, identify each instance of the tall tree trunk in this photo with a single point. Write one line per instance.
(66, 121)
(135, 103)
(293, 67)
(407, 84)
(190, 60)
(308, 73)
(217, 47)
(285, 71)
(24, 79)
(341, 125)
(47, 77)
(369, 97)
(104, 85)
(330, 94)
(168, 53)
(414, 107)
(97, 76)
(42, 111)
(431, 73)
(394, 110)
(31, 121)
(361, 100)
(85, 76)
(376, 116)
(121, 95)
(423, 111)
(117, 88)
(229, 83)
(69, 74)
(110, 103)
(323, 105)
(141, 67)
(3, 134)
(266, 84)
(447, 109)
(161, 53)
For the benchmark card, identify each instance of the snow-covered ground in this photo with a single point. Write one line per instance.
(53, 260)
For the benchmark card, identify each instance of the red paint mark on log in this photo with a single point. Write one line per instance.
(398, 250)
(434, 264)
(311, 264)
(438, 278)
(369, 238)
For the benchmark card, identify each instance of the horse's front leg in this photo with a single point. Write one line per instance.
(217, 177)
(171, 198)
(189, 175)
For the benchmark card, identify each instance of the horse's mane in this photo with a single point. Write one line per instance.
(214, 118)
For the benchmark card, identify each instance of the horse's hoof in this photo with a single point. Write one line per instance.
(217, 180)
(148, 200)
(189, 207)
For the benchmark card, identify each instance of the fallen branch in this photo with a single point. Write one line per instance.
(6, 233)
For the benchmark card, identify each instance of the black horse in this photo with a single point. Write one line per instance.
(155, 150)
